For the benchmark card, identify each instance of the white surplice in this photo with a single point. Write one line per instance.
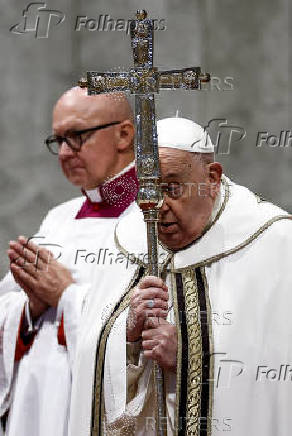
(37, 389)
(246, 257)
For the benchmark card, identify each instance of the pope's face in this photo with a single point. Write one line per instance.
(97, 159)
(190, 191)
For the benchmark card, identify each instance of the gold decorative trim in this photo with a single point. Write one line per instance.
(102, 408)
(238, 247)
(211, 347)
(98, 387)
(191, 374)
(195, 353)
(179, 351)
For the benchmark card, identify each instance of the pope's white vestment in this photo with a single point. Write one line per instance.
(230, 298)
(36, 390)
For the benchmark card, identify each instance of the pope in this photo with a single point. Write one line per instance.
(225, 250)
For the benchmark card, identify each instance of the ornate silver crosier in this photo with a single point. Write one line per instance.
(144, 81)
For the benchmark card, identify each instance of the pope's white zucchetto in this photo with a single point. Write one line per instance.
(183, 134)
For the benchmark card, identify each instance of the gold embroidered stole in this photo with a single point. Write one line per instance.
(194, 357)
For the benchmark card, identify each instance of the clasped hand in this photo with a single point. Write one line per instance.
(36, 271)
(147, 320)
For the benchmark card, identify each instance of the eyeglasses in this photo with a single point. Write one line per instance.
(74, 140)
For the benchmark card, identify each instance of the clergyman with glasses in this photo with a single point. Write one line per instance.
(52, 273)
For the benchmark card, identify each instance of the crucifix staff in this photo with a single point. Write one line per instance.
(144, 81)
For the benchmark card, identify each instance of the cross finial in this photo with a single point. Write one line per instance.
(141, 14)
(82, 82)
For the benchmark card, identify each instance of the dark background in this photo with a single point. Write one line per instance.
(245, 41)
